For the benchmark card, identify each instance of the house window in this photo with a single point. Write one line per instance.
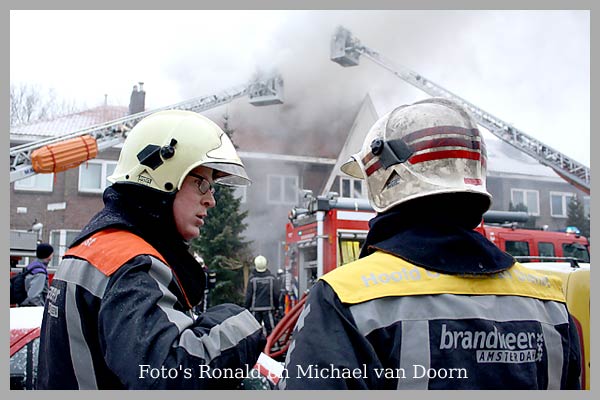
(586, 206)
(36, 183)
(93, 174)
(528, 198)
(240, 193)
(282, 189)
(352, 188)
(60, 239)
(559, 204)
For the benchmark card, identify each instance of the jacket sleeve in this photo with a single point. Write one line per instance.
(35, 285)
(328, 352)
(149, 342)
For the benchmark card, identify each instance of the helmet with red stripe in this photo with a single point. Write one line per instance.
(430, 147)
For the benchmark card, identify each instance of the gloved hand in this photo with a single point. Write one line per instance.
(233, 338)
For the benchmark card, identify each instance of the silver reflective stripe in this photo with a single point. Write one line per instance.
(253, 294)
(83, 274)
(555, 356)
(414, 351)
(379, 313)
(80, 352)
(303, 315)
(220, 337)
(163, 275)
(271, 320)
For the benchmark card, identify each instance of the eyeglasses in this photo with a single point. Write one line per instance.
(203, 184)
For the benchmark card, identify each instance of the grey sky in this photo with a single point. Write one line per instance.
(528, 68)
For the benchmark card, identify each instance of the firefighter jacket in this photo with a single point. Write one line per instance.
(118, 311)
(383, 322)
(262, 293)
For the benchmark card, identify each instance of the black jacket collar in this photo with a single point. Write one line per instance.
(437, 244)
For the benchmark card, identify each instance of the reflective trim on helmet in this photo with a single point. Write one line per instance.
(236, 175)
(439, 155)
(372, 168)
(441, 130)
(447, 142)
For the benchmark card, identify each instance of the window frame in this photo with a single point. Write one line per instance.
(33, 187)
(282, 196)
(103, 175)
(525, 192)
(565, 204)
(352, 182)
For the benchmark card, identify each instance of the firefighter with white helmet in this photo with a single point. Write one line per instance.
(262, 294)
(119, 306)
(431, 303)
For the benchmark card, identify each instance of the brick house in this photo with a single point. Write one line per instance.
(64, 202)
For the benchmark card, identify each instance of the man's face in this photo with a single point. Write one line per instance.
(191, 205)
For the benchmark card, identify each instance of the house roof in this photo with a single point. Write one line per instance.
(67, 123)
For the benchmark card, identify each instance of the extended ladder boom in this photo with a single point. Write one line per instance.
(113, 132)
(346, 50)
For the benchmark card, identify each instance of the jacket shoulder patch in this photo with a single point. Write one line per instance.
(109, 249)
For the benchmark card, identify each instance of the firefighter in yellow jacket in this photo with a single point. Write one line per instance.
(431, 303)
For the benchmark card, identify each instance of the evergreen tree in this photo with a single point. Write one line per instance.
(222, 247)
(576, 216)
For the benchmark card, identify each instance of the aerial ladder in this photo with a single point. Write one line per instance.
(69, 150)
(346, 51)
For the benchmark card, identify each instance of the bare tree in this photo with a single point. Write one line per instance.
(30, 103)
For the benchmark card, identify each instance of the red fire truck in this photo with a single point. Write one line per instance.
(330, 232)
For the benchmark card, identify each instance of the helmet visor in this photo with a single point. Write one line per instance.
(231, 174)
(352, 168)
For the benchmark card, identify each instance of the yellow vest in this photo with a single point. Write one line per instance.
(381, 275)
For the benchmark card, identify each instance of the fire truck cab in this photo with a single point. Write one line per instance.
(327, 234)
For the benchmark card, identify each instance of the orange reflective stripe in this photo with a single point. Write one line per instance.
(109, 249)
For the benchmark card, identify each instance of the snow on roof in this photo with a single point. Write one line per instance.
(68, 123)
(504, 158)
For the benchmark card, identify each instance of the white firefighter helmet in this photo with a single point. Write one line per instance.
(430, 147)
(260, 263)
(165, 146)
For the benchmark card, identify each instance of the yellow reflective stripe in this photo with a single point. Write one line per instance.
(380, 275)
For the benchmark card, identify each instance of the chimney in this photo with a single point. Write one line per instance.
(137, 102)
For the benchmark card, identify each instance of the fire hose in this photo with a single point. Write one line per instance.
(282, 332)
